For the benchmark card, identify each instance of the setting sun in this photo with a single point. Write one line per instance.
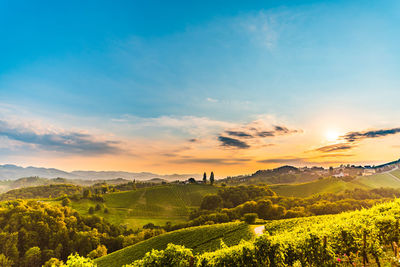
(332, 136)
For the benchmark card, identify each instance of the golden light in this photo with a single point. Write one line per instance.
(332, 136)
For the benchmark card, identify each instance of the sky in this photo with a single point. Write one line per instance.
(193, 86)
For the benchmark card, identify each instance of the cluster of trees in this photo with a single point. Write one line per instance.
(217, 208)
(44, 191)
(32, 232)
(212, 179)
(229, 197)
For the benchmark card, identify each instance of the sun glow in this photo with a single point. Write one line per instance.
(332, 136)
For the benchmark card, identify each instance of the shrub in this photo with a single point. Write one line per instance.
(173, 255)
(250, 218)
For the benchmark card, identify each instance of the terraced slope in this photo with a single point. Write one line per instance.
(156, 205)
(200, 239)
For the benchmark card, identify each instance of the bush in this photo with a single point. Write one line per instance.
(91, 210)
(250, 218)
(211, 202)
(65, 202)
(78, 261)
(98, 207)
(173, 255)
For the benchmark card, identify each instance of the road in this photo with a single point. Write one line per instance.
(259, 230)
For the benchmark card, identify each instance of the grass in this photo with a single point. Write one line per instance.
(200, 239)
(157, 205)
(327, 185)
(335, 185)
(381, 180)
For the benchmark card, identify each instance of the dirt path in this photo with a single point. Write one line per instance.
(259, 230)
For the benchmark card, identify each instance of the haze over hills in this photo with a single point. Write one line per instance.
(9, 171)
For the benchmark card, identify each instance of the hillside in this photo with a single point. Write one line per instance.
(44, 191)
(11, 172)
(200, 239)
(327, 185)
(157, 204)
(336, 185)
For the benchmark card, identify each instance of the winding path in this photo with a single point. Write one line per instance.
(259, 230)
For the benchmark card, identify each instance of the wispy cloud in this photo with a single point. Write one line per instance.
(216, 161)
(253, 133)
(59, 141)
(358, 136)
(351, 139)
(232, 142)
(335, 147)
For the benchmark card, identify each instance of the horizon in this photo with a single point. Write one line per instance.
(179, 87)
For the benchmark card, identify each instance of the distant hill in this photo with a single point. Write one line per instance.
(281, 175)
(389, 179)
(43, 191)
(12, 172)
(200, 239)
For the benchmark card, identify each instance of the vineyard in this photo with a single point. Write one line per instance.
(367, 237)
(199, 239)
(158, 204)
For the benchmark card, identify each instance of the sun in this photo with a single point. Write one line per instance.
(332, 136)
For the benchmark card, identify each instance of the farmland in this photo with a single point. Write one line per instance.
(200, 239)
(157, 205)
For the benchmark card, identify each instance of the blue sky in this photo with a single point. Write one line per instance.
(163, 70)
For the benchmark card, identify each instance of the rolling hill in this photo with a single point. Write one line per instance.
(336, 185)
(157, 204)
(200, 239)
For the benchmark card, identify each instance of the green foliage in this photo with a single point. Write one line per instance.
(65, 202)
(250, 218)
(78, 261)
(32, 257)
(211, 202)
(53, 262)
(200, 239)
(173, 255)
(100, 251)
(156, 204)
(212, 178)
(5, 262)
(45, 191)
(91, 210)
(32, 231)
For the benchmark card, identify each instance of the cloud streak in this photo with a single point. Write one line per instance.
(334, 148)
(67, 142)
(358, 136)
(232, 142)
(216, 161)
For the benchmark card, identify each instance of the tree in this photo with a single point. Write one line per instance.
(53, 262)
(98, 207)
(4, 261)
(205, 178)
(91, 210)
(211, 202)
(65, 202)
(192, 180)
(33, 257)
(87, 193)
(100, 251)
(250, 218)
(212, 178)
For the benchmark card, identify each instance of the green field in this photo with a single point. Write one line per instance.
(327, 185)
(157, 204)
(336, 185)
(200, 239)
